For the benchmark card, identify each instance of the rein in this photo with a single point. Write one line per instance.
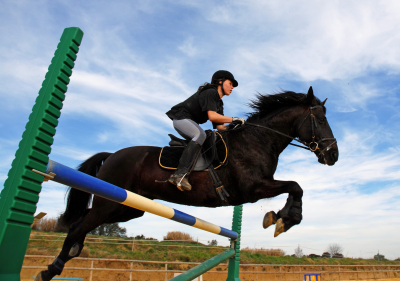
(311, 146)
(296, 139)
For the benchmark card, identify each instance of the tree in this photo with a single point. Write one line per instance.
(109, 229)
(213, 243)
(334, 248)
(298, 252)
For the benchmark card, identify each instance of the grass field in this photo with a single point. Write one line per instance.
(176, 251)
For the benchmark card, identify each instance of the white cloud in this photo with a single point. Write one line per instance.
(188, 48)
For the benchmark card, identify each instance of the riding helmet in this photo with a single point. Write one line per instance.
(224, 74)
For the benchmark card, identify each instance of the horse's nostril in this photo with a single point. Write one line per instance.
(335, 155)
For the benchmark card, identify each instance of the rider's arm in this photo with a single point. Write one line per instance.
(218, 118)
(221, 127)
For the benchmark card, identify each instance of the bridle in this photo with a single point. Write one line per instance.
(313, 145)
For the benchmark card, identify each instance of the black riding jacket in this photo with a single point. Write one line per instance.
(197, 105)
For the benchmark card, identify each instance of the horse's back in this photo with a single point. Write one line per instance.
(124, 167)
(137, 169)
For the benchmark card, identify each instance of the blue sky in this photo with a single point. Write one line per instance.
(137, 59)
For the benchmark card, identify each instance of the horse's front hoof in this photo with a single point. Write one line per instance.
(279, 228)
(42, 276)
(269, 219)
(39, 277)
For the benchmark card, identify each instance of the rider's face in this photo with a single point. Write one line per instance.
(228, 87)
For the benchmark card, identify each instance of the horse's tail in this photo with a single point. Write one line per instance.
(78, 201)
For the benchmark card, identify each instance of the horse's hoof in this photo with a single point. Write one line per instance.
(39, 277)
(279, 228)
(269, 219)
(42, 276)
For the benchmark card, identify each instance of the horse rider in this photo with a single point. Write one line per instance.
(205, 104)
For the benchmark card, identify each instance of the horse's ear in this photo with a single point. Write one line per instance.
(323, 103)
(310, 96)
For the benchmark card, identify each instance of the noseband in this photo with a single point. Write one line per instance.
(312, 146)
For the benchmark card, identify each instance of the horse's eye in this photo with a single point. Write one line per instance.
(322, 120)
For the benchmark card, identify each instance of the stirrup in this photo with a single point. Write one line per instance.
(182, 187)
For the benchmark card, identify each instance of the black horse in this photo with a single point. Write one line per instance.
(248, 175)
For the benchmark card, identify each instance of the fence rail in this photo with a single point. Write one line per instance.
(278, 269)
(134, 242)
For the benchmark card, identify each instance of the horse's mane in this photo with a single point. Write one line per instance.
(266, 104)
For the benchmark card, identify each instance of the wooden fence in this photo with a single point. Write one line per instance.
(131, 269)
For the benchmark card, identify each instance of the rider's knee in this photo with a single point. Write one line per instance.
(200, 137)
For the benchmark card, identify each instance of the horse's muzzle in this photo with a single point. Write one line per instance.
(330, 157)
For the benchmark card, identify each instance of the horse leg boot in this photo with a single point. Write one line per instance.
(186, 164)
(291, 214)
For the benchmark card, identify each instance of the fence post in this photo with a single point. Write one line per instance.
(234, 262)
(280, 273)
(300, 274)
(166, 273)
(373, 268)
(339, 273)
(91, 271)
(133, 243)
(130, 274)
(256, 273)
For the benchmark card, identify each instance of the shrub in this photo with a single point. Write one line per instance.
(268, 252)
(178, 235)
(45, 224)
(184, 258)
(142, 237)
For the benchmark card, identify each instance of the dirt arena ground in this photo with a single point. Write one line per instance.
(267, 272)
(249, 278)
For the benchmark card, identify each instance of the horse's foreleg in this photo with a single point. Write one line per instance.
(291, 213)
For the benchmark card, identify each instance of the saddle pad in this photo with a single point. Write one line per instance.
(170, 155)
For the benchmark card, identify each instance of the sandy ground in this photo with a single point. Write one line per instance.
(392, 279)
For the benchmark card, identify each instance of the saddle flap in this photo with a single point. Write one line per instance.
(207, 152)
(213, 149)
(175, 141)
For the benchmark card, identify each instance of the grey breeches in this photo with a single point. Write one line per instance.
(190, 130)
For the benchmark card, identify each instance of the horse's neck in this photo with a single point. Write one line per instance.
(283, 122)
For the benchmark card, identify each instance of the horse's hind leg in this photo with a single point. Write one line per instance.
(103, 211)
(73, 244)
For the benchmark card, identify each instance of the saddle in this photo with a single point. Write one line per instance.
(214, 152)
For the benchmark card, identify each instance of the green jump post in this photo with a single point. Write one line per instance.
(204, 267)
(234, 262)
(21, 189)
(233, 254)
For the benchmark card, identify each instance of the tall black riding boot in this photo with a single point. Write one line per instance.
(186, 164)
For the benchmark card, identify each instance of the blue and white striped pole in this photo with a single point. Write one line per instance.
(87, 183)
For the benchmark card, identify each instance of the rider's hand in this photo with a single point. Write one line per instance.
(238, 120)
